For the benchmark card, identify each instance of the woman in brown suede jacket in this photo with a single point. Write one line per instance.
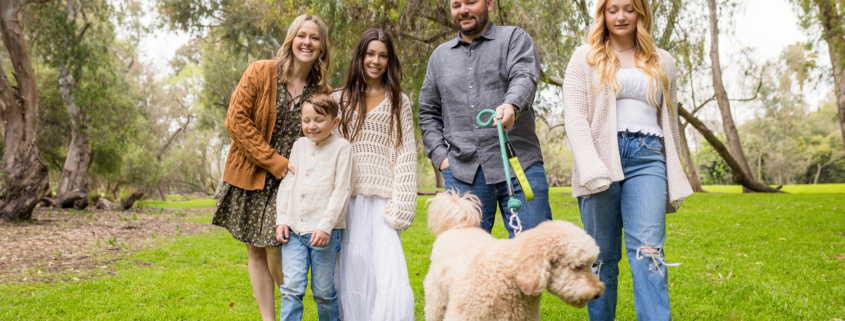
(264, 122)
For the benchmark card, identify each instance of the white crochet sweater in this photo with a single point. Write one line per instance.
(381, 168)
(590, 120)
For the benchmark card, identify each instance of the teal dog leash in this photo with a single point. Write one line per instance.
(509, 157)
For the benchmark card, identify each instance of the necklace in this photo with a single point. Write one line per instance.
(295, 93)
(617, 50)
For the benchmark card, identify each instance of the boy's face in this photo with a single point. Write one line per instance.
(315, 126)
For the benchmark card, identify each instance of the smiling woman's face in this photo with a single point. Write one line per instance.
(306, 46)
(620, 18)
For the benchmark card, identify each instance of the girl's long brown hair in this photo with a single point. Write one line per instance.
(352, 96)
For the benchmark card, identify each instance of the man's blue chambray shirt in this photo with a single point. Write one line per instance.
(499, 66)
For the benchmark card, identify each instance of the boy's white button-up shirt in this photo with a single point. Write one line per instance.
(316, 196)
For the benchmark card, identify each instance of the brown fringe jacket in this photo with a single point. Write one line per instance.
(249, 121)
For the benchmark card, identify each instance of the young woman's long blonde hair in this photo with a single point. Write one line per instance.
(319, 71)
(647, 55)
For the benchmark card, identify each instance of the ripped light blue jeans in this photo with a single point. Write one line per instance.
(636, 204)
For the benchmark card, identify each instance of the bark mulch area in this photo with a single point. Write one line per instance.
(69, 245)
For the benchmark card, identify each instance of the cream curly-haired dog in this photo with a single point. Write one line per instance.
(474, 276)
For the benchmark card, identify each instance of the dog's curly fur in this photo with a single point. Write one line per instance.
(474, 276)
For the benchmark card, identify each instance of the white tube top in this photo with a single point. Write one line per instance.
(634, 113)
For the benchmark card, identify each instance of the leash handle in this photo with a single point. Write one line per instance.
(508, 155)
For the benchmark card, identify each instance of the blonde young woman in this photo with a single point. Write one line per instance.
(264, 122)
(622, 123)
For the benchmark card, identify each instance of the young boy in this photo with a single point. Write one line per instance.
(310, 207)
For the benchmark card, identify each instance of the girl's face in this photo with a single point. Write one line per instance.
(315, 126)
(375, 60)
(306, 45)
(621, 18)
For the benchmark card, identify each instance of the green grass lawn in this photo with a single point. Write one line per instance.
(794, 189)
(745, 257)
(178, 203)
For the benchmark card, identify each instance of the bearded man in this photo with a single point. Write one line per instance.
(485, 67)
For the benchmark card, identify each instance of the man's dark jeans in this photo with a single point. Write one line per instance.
(495, 196)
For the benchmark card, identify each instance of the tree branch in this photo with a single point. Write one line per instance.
(429, 39)
(670, 24)
(272, 42)
(582, 8)
(739, 175)
(545, 121)
(712, 98)
(757, 92)
(71, 11)
(84, 28)
(551, 80)
(176, 133)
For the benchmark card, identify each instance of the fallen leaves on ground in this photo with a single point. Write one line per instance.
(67, 241)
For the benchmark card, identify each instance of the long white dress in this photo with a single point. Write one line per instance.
(371, 275)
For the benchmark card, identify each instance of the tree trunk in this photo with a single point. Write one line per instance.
(739, 176)
(47, 202)
(127, 203)
(722, 95)
(80, 204)
(24, 172)
(690, 169)
(70, 198)
(834, 34)
(75, 170)
(102, 203)
(438, 176)
(818, 172)
(218, 192)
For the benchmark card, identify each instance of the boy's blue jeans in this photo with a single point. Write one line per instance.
(297, 256)
(496, 195)
(636, 204)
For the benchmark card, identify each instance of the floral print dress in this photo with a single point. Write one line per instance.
(250, 216)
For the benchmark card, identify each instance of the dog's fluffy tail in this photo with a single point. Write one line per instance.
(450, 210)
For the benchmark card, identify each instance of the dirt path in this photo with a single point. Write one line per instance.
(66, 245)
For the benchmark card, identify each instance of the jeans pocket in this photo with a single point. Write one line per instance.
(653, 143)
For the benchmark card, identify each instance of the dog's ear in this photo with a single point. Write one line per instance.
(532, 269)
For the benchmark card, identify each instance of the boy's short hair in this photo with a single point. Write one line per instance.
(324, 105)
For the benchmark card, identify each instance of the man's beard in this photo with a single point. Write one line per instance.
(480, 24)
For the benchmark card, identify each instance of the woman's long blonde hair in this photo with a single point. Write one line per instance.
(319, 71)
(647, 55)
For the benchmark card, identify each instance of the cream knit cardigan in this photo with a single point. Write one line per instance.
(590, 120)
(381, 168)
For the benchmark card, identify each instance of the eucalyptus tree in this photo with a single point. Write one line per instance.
(829, 17)
(74, 38)
(728, 124)
(24, 176)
